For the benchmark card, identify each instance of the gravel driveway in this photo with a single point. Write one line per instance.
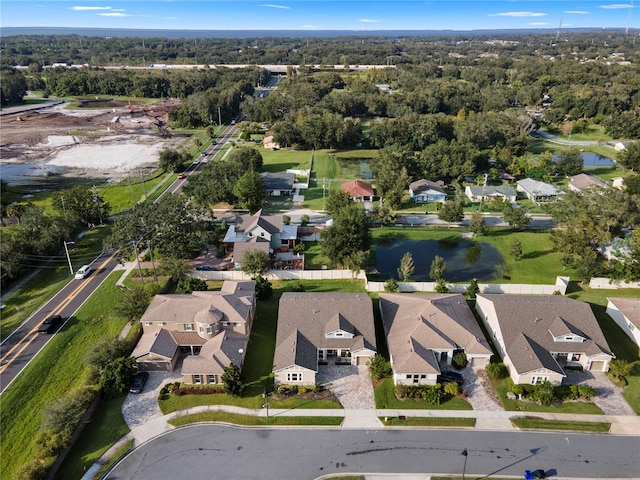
(609, 399)
(480, 393)
(350, 383)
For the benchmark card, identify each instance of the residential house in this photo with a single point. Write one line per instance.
(278, 184)
(489, 192)
(358, 190)
(425, 331)
(538, 191)
(265, 232)
(626, 313)
(426, 191)
(579, 182)
(317, 328)
(212, 327)
(537, 336)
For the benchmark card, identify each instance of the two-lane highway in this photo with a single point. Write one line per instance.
(19, 348)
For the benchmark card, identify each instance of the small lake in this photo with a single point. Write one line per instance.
(355, 168)
(465, 259)
(591, 159)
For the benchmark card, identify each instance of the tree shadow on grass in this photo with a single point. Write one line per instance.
(389, 238)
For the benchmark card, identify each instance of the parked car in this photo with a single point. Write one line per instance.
(139, 381)
(204, 268)
(50, 324)
(84, 271)
(448, 377)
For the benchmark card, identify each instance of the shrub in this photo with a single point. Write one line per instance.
(304, 220)
(517, 389)
(302, 389)
(35, 470)
(264, 289)
(543, 393)
(460, 360)
(430, 394)
(391, 286)
(286, 219)
(497, 371)
(297, 286)
(441, 286)
(586, 391)
(379, 367)
(451, 389)
(233, 381)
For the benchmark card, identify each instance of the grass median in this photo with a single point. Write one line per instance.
(253, 420)
(57, 369)
(542, 424)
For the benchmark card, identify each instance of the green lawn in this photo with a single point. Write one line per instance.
(105, 428)
(252, 420)
(543, 424)
(385, 399)
(428, 422)
(539, 264)
(126, 194)
(57, 369)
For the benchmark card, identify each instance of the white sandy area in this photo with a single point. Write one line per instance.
(59, 140)
(115, 157)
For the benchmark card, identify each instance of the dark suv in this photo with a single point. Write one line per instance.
(50, 324)
(448, 377)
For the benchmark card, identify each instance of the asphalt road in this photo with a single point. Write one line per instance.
(19, 348)
(225, 452)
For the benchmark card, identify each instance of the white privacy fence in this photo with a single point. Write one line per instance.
(599, 282)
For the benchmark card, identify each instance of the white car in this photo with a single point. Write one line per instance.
(84, 271)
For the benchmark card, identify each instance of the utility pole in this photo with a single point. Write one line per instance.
(219, 117)
(68, 257)
(135, 250)
(464, 468)
(144, 186)
(64, 208)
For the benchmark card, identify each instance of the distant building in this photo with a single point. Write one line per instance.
(489, 192)
(579, 182)
(538, 191)
(278, 184)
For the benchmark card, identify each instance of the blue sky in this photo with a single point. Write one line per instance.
(321, 15)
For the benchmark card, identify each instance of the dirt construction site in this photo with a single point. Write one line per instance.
(97, 139)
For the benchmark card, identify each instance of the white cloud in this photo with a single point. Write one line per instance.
(577, 12)
(369, 20)
(80, 8)
(114, 14)
(616, 6)
(171, 18)
(270, 5)
(518, 14)
(310, 26)
(538, 24)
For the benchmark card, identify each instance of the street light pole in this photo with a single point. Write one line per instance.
(464, 468)
(135, 249)
(68, 257)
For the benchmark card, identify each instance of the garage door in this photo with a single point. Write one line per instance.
(597, 366)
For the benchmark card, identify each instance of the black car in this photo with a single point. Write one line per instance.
(138, 382)
(448, 377)
(50, 324)
(204, 268)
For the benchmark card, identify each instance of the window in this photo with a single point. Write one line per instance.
(423, 376)
(201, 329)
(162, 323)
(535, 379)
(409, 376)
(197, 379)
(188, 327)
(568, 339)
(294, 377)
(338, 334)
(209, 330)
(146, 324)
(211, 378)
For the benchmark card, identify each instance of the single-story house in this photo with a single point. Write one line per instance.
(626, 313)
(425, 331)
(480, 193)
(425, 191)
(316, 328)
(358, 190)
(579, 182)
(212, 326)
(538, 335)
(538, 191)
(278, 184)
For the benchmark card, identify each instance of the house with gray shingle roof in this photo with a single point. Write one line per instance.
(538, 336)
(213, 327)
(626, 313)
(489, 192)
(424, 331)
(278, 184)
(424, 191)
(317, 328)
(538, 191)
